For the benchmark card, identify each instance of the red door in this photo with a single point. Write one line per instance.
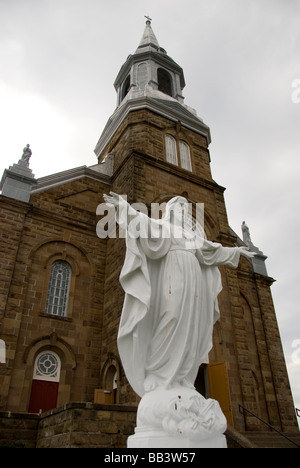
(43, 396)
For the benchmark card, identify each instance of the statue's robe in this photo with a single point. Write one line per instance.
(170, 304)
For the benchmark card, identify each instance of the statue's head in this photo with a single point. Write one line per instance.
(179, 215)
(176, 209)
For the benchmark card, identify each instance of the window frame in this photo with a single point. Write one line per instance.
(185, 159)
(53, 376)
(164, 82)
(180, 153)
(125, 87)
(60, 300)
(171, 152)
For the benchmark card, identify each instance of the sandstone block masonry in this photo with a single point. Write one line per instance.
(76, 425)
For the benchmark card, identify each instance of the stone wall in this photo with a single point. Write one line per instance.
(54, 226)
(76, 425)
(18, 430)
(86, 425)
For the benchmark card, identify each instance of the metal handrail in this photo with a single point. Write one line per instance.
(243, 411)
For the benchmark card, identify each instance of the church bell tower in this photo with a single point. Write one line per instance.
(149, 90)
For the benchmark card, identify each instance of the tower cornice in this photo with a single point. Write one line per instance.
(171, 109)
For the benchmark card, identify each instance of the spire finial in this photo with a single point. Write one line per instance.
(149, 39)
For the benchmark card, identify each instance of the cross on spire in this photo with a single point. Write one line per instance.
(148, 18)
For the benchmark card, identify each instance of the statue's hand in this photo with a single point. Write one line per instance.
(247, 253)
(113, 200)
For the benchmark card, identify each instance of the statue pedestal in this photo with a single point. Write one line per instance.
(178, 417)
(155, 439)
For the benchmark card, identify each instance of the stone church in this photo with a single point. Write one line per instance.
(61, 300)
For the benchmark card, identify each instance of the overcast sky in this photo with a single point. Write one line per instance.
(241, 58)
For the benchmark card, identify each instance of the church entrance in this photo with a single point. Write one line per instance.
(45, 382)
(212, 382)
(201, 382)
(43, 396)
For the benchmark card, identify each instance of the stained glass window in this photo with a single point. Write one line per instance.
(58, 291)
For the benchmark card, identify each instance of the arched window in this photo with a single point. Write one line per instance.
(111, 382)
(171, 150)
(164, 81)
(185, 156)
(58, 290)
(111, 378)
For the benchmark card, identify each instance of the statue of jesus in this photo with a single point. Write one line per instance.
(171, 298)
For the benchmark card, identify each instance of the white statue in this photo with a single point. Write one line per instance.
(246, 234)
(166, 327)
(27, 153)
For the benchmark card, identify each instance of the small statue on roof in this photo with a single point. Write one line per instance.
(26, 154)
(246, 234)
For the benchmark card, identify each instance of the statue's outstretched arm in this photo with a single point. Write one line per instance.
(112, 200)
(246, 252)
(125, 213)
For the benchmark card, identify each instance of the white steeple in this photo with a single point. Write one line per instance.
(149, 70)
(149, 38)
(151, 79)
